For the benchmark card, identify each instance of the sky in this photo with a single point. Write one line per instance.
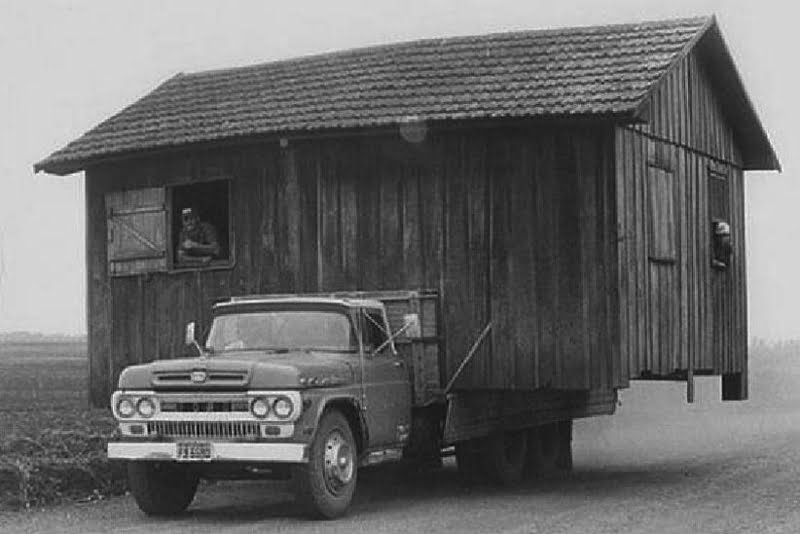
(66, 66)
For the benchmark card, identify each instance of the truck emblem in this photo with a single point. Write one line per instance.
(199, 377)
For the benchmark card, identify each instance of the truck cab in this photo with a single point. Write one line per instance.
(308, 388)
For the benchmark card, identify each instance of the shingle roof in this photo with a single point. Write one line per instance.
(602, 70)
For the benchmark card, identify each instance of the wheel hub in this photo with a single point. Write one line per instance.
(339, 462)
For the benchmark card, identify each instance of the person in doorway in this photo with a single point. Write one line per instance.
(197, 243)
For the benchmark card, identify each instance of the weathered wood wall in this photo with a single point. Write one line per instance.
(681, 314)
(516, 225)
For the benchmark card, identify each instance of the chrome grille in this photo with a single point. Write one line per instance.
(204, 429)
(213, 379)
(205, 406)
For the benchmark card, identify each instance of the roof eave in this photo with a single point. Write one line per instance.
(760, 155)
(64, 167)
(757, 150)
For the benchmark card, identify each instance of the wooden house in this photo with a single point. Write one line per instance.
(565, 184)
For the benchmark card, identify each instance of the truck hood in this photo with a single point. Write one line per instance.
(244, 370)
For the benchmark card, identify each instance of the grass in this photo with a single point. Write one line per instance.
(52, 446)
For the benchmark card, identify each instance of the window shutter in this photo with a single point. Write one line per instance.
(718, 203)
(137, 231)
(663, 228)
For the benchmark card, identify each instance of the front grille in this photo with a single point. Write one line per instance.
(203, 406)
(204, 429)
(214, 379)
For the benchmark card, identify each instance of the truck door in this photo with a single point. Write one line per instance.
(387, 387)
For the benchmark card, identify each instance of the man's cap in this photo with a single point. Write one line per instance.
(187, 211)
(722, 228)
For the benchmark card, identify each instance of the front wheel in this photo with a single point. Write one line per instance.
(325, 485)
(161, 488)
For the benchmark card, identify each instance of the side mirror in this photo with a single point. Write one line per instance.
(189, 338)
(411, 326)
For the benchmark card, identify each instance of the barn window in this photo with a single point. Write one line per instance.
(200, 215)
(662, 225)
(145, 227)
(719, 213)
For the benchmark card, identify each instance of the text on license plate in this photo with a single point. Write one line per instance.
(194, 451)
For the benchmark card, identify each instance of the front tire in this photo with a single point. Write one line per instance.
(324, 486)
(161, 488)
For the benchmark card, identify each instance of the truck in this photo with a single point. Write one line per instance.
(311, 388)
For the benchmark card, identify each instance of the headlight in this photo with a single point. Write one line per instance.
(282, 407)
(259, 407)
(125, 407)
(146, 407)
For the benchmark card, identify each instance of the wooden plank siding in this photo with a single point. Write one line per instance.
(516, 225)
(681, 314)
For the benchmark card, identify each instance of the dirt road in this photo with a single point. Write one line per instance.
(657, 466)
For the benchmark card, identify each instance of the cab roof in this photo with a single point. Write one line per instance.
(293, 299)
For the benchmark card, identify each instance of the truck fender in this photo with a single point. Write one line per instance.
(350, 407)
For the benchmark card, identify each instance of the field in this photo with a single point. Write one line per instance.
(51, 444)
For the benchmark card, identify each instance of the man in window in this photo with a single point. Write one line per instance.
(722, 248)
(197, 243)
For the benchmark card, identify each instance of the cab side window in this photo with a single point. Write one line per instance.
(374, 329)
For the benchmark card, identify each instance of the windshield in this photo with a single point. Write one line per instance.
(281, 330)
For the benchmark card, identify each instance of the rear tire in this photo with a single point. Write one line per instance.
(161, 488)
(504, 455)
(468, 460)
(324, 486)
(550, 449)
(564, 459)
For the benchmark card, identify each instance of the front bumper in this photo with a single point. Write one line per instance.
(221, 451)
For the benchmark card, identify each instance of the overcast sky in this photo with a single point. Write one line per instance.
(68, 65)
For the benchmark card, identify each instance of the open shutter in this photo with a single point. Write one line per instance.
(137, 231)
(718, 199)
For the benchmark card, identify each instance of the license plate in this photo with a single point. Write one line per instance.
(194, 451)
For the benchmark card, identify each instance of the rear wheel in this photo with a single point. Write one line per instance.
(468, 460)
(162, 488)
(503, 456)
(550, 448)
(324, 486)
(564, 459)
